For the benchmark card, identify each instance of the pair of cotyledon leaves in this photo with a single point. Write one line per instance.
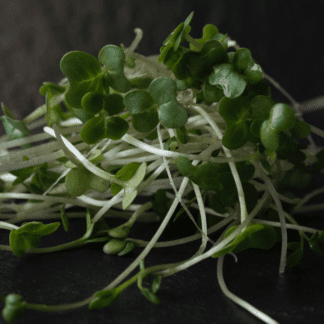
(105, 298)
(268, 121)
(29, 236)
(143, 106)
(234, 75)
(88, 91)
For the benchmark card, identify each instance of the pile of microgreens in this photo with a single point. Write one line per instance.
(202, 113)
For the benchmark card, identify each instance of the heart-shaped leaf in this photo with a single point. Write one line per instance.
(113, 58)
(93, 130)
(80, 179)
(163, 90)
(15, 129)
(146, 121)
(84, 74)
(232, 83)
(172, 114)
(138, 101)
(29, 236)
(209, 31)
(116, 127)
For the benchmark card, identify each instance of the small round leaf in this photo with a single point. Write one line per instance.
(116, 127)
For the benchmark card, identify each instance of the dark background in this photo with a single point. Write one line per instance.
(284, 37)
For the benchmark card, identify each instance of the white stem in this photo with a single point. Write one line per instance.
(8, 226)
(281, 217)
(231, 164)
(257, 313)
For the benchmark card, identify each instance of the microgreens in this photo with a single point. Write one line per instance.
(202, 112)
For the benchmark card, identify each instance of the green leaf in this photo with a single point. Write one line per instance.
(14, 308)
(113, 104)
(116, 128)
(137, 101)
(235, 112)
(300, 129)
(38, 228)
(104, 298)
(236, 135)
(138, 177)
(177, 36)
(146, 121)
(185, 167)
(182, 134)
(113, 58)
(114, 246)
(125, 173)
(212, 93)
(84, 74)
(129, 247)
(172, 114)
(64, 219)
(209, 31)
(79, 66)
(174, 61)
(52, 115)
(161, 203)
(295, 258)
(316, 242)
(19, 243)
(93, 102)
(200, 64)
(156, 284)
(247, 239)
(232, 83)
(261, 106)
(281, 118)
(29, 236)
(80, 179)
(55, 88)
(242, 59)
(93, 130)
(23, 174)
(163, 90)
(15, 129)
(206, 177)
(150, 296)
(170, 144)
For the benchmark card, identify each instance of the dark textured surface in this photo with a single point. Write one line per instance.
(190, 296)
(284, 39)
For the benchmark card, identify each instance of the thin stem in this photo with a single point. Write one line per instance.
(165, 244)
(193, 42)
(87, 164)
(173, 185)
(281, 216)
(231, 164)
(257, 313)
(136, 41)
(219, 246)
(153, 240)
(307, 198)
(307, 209)
(7, 226)
(317, 131)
